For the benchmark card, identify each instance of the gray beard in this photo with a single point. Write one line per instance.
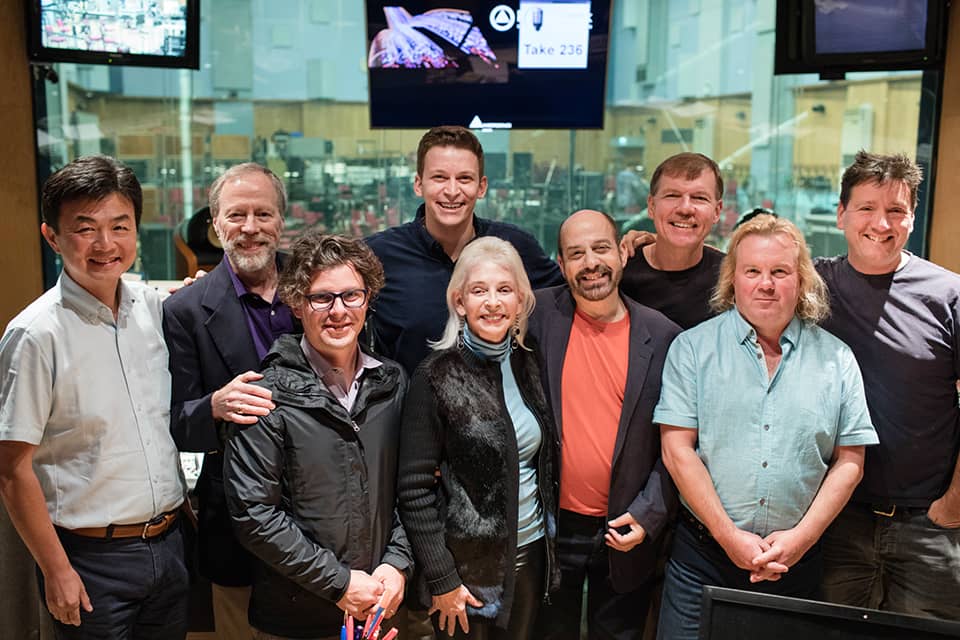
(251, 264)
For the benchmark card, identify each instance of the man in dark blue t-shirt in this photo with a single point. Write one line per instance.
(676, 274)
(896, 545)
(418, 256)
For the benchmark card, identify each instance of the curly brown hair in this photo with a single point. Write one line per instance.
(315, 251)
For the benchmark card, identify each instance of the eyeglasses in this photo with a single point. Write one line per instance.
(323, 301)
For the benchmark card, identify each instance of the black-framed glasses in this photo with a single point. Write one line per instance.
(323, 300)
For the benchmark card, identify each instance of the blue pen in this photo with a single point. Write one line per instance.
(372, 622)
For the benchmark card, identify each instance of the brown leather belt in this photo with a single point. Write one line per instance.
(145, 530)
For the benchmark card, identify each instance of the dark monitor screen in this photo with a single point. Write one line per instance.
(870, 26)
(729, 614)
(487, 64)
(833, 37)
(161, 33)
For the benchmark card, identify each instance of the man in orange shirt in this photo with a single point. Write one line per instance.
(601, 359)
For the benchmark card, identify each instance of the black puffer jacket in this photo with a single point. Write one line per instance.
(311, 492)
(463, 530)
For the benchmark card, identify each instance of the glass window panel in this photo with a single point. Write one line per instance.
(286, 87)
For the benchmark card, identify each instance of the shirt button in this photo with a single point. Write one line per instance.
(766, 427)
(764, 465)
(762, 501)
(273, 312)
(759, 356)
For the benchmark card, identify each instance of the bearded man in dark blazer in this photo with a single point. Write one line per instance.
(217, 331)
(602, 356)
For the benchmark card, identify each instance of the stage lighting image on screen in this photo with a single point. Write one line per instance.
(146, 27)
(401, 44)
(487, 64)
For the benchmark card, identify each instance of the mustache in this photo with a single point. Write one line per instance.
(601, 269)
(253, 237)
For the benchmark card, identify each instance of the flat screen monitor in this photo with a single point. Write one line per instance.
(730, 614)
(150, 33)
(831, 37)
(529, 64)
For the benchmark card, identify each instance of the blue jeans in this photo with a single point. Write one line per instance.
(903, 563)
(138, 588)
(697, 560)
(582, 554)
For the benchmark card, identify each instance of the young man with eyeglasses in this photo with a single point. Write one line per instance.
(310, 486)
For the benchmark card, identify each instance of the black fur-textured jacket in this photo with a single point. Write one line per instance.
(463, 526)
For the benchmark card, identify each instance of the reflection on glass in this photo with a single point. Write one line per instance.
(781, 142)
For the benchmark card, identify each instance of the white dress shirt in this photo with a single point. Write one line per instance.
(93, 394)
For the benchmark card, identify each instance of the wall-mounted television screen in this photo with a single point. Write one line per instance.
(530, 64)
(150, 33)
(832, 38)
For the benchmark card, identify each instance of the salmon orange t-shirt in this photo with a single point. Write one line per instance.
(592, 386)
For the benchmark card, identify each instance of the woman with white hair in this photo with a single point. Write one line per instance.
(483, 531)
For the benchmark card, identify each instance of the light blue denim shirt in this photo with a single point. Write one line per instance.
(766, 442)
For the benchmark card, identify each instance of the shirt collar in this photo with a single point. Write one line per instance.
(331, 375)
(480, 228)
(238, 286)
(87, 305)
(744, 331)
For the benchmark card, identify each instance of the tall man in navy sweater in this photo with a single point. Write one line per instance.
(418, 256)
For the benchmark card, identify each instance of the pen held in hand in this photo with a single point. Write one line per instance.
(372, 623)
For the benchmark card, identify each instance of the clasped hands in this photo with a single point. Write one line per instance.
(365, 592)
(766, 558)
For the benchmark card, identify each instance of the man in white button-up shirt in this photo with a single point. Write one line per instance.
(88, 470)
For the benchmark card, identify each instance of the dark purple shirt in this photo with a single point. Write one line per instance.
(267, 321)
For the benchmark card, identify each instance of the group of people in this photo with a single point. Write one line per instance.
(441, 422)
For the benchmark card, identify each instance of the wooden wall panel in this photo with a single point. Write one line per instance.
(945, 228)
(22, 614)
(19, 221)
(270, 117)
